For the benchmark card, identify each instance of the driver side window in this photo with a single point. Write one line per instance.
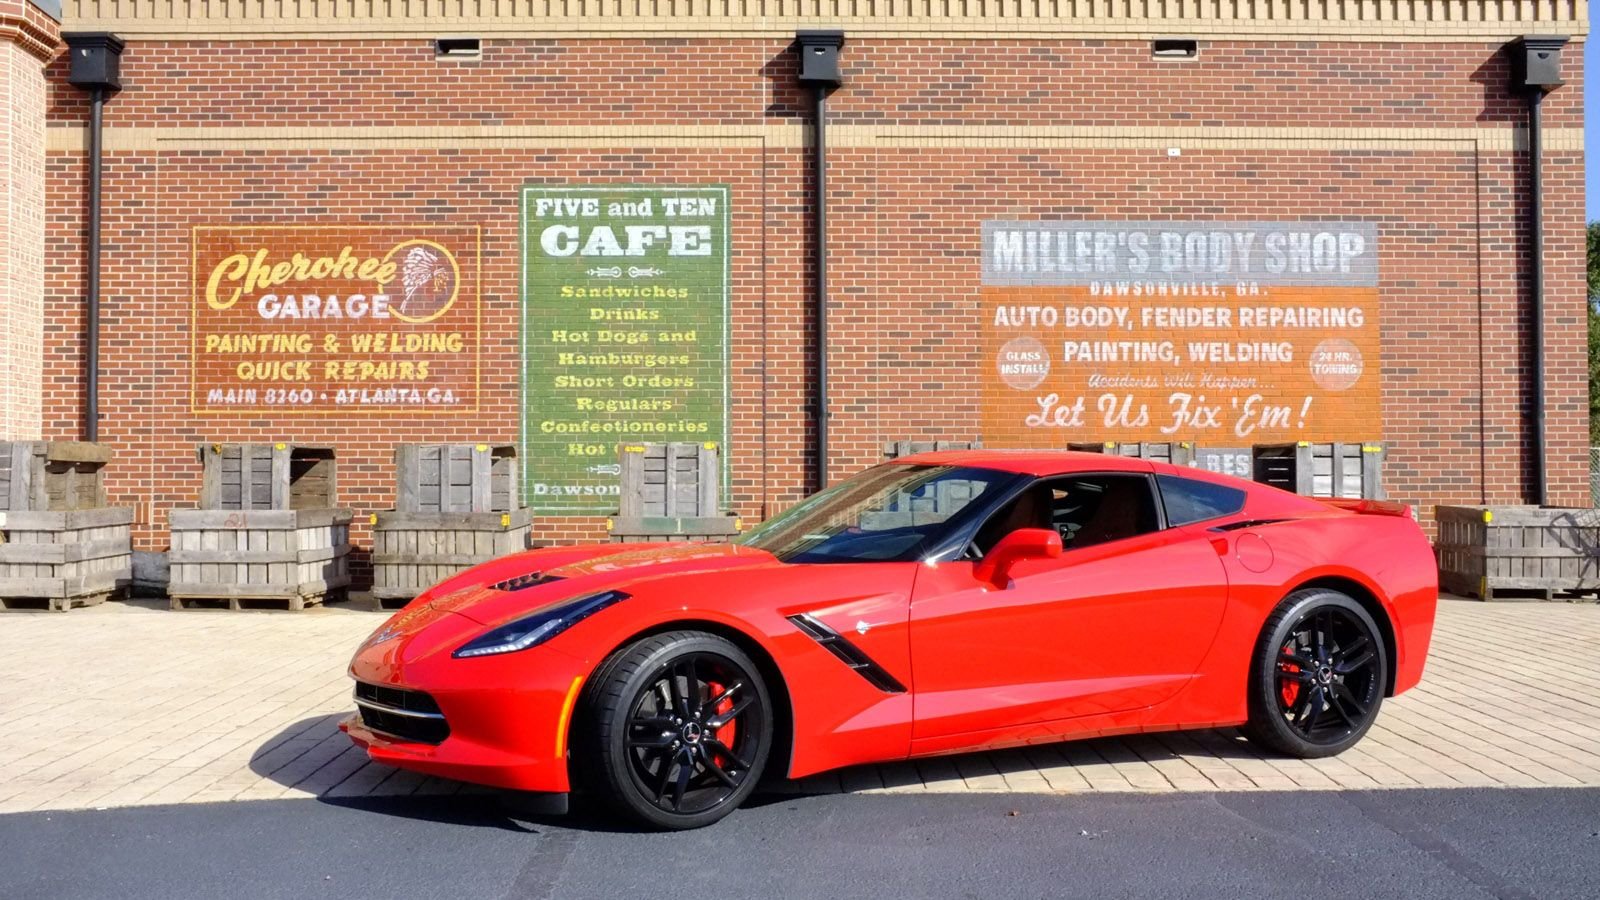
(1084, 509)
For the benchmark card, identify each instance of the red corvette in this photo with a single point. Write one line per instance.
(943, 603)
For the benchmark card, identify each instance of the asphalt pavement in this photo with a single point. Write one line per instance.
(1451, 844)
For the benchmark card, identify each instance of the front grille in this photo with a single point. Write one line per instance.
(408, 715)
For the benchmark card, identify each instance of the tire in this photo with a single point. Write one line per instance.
(677, 730)
(1318, 676)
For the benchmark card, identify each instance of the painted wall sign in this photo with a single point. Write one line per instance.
(1235, 461)
(1216, 332)
(337, 317)
(624, 335)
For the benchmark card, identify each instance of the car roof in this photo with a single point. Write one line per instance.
(1264, 499)
(1036, 462)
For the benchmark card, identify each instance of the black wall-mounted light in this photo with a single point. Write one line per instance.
(94, 65)
(1536, 71)
(819, 69)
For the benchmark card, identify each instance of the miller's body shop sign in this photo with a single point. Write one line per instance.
(338, 317)
(1218, 332)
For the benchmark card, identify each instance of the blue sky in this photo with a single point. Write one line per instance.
(1591, 126)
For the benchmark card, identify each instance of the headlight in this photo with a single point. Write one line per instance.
(539, 627)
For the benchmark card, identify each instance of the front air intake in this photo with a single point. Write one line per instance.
(400, 713)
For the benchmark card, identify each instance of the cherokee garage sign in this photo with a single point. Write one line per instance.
(625, 318)
(1215, 331)
(345, 317)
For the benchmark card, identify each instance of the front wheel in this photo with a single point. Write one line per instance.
(681, 728)
(1318, 676)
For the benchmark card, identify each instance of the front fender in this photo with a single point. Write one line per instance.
(838, 718)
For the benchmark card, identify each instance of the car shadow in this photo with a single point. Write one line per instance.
(313, 756)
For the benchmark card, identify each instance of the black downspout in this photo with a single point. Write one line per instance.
(91, 427)
(95, 65)
(819, 68)
(819, 249)
(1536, 214)
(1535, 71)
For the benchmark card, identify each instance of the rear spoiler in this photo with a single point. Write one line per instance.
(1369, 507)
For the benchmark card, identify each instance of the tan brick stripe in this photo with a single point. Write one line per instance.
(1394, 20)
(407, 137)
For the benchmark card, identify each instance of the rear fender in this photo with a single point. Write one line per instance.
(1396, 567)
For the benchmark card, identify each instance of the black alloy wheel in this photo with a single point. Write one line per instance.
(685, 728)
(1319, 676)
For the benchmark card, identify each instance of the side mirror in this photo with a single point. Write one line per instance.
(1024, 543)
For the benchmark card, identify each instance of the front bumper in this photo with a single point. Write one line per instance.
(507, 715)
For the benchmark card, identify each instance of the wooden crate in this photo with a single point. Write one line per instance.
(456, 478)
(897, 449)
(413, 551)
(242, 559)
(1338, 469)
(676, 480)
(1179, 453)
(45, 476)
(267, 476)
(60, 559)
(671, 492)
(1500, 552)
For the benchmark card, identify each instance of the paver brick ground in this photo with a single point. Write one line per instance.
(125, 704)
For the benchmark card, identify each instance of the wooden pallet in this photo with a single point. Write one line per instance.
(412, 551)
(1518, 552)
(59, 560)
(259, 559)
(54, 604)
(380, 603)
(456, 478)
(258, 603)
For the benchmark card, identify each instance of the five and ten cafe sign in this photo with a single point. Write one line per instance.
(338, 317)
(625, 332)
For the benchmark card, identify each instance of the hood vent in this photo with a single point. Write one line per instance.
(523, 582)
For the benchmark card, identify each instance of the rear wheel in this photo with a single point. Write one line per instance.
(1318, 676)
(681, 729)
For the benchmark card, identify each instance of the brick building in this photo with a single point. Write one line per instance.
(568, 224)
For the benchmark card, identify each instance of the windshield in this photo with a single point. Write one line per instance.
(887, 513)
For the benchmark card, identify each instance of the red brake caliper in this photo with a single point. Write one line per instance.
(726, 733)
(1290, 687)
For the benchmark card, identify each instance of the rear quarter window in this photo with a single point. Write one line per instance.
(1188, 500)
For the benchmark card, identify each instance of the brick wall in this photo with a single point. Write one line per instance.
(27, 39)
(935, 137)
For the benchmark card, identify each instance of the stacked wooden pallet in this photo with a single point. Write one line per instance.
(60, 545)
(456, 506)
(671, 492)
(267, 533)
(1508, 552)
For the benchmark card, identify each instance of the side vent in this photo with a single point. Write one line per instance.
(1247, 523)
(523, 582)
(848, 653)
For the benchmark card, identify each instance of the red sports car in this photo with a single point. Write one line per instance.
(942, 603)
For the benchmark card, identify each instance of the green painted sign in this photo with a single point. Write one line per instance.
(624, 332)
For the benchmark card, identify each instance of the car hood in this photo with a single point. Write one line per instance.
(629, 569)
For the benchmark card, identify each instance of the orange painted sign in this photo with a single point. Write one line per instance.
(339, 317)
(1217, 333)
